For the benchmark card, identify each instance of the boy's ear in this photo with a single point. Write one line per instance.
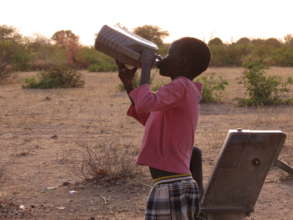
(184, 60)
(185, 64)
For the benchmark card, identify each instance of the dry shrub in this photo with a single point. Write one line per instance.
(285, 177)
(5, 71)
(55, 77)
(108, 162)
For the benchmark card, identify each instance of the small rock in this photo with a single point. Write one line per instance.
(49, 188)
(23, 154)
(61, 207)
(37, 147)
(54, 136)
(66, 183)
(72, 192)
(47, 98)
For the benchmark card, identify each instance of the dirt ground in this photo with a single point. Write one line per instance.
(42, 133)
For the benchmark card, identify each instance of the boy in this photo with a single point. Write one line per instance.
(170, 118)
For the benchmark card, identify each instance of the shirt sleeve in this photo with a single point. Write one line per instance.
(167, 97)
(140, 117)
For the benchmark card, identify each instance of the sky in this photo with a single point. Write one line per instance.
(205, 19)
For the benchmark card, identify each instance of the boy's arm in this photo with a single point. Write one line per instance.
(126, 76)
(168, 96)
(140, 117)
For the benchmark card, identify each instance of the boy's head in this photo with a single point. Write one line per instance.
(187, 57)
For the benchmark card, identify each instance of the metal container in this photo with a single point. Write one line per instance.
(122, 45)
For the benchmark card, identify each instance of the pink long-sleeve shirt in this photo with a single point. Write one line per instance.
(170, 118)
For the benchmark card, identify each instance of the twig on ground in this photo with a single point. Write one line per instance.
(104, 199)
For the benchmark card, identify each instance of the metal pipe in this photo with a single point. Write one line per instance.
(280, 164)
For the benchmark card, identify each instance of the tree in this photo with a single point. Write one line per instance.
(273, 42)
(243, 40)
(215, 42)
(289, 40)
(152, 33)
(9, 33)
(6, 54)
(67, 40)
(258, 42)
(13, 52)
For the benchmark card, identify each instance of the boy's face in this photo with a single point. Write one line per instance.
(171, 64)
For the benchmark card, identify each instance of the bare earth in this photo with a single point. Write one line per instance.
(43, 134)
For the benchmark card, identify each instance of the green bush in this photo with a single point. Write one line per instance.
(21, 59)
(94, 61)
(283, 56)
(45, 56)
(87, 56)
(93, 67)
(56, 77)
(262, 89)
(101, 67)
(14, 54)
(213, 88)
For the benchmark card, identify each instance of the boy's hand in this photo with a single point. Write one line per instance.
(126, 75)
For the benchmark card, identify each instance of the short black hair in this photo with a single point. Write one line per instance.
(196, 52)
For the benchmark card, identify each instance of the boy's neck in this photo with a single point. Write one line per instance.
(174, 77)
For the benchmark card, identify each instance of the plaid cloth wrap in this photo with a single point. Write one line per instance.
(173, 199)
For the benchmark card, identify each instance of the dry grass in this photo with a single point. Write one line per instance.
(108, 162)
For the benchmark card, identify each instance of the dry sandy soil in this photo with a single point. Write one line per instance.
(44, 135)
